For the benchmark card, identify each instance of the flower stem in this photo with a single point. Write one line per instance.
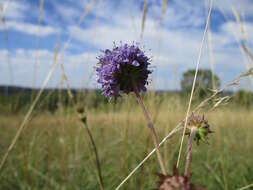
(82, 117)
(152, 128)
(97, 157)
(189, 147)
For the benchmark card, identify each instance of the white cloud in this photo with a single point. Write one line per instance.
(67, 13)
(16, 13)
(14, 9)
(232, 31)
(174, 45)
(31, 29)
(244, 8)
(78, 68)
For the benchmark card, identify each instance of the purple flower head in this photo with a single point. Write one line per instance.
(123, 69)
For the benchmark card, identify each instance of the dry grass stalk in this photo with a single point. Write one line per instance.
(179, 126)
(210, 52)
(143, 19)
(37, 45)
(28, 114)
(238, 20)
(83, 119)
(164, 7)
(50, 73)
(243, 46)
(175, 130)
(194, 81)
(246, 187)
(6, 41)
(64, 78)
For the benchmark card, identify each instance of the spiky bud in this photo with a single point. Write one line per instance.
(203, 128)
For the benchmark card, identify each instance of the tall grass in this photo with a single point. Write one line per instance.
(47, 156)
(194, 80)
(53, 152)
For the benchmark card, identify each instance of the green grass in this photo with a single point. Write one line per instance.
(54, 151)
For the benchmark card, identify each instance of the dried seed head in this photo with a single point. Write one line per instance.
(80, 109)
(203, 128)
(81, 113)
(176, 182)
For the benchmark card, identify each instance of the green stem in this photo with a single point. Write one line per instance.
(189, 147)
(152, 128)
(83, 119)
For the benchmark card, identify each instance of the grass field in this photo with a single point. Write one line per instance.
(48, 142)
(54, 151)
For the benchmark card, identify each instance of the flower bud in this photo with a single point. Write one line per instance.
(203, 128)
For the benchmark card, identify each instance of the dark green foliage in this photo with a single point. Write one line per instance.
(243, 98)
(18, 100)
(204, 82)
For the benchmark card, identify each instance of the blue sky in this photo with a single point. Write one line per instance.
(173, 45)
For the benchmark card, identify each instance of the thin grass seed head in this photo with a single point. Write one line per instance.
(176, 182)
(81, 114)
(122, 69)
(203, 128)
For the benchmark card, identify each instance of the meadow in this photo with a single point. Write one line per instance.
(88, 138)
(54, 151)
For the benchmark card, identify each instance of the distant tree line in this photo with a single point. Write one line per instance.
(206, 81)
(17, 99)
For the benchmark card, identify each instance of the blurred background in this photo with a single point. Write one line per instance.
(48, 51)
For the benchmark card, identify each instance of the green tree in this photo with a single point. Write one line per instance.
(205, 80)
